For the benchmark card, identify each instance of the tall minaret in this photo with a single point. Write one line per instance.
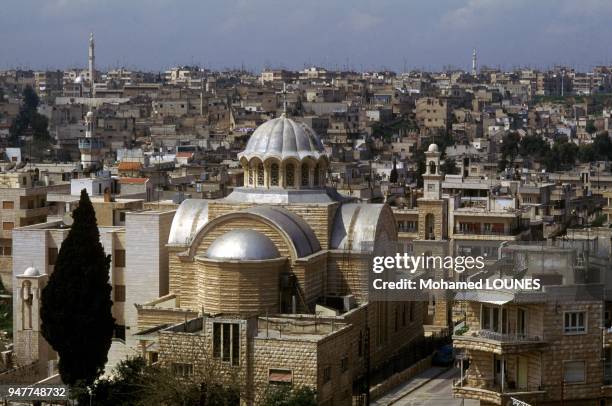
(474, 66)
(92, 61)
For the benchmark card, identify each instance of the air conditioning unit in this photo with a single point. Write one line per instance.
(349, 302)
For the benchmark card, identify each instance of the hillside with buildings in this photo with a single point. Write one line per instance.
(242, 210)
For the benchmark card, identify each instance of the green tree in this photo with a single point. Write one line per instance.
(134, 383)
(76, 305)
(586, 153)
(590, 127)
(603, 147)
(286, 395)
(502, 164)
(599, 220)
(30, 99)
(510, 146)
(29, 118)
(562, 155)
(534, 146)
(393, 175)
(449, 167)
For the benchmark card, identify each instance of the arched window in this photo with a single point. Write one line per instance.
(317, 175)
(260, 175)
(26, 309)
(290, 175)
(432, 168)
(274, 175)
(305, 175)
(250, 169)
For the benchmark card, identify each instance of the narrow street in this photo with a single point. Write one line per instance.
(433, 387)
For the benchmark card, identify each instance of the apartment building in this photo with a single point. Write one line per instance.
(540, 346)
(433, 113)
(23, 201)
(137, 244)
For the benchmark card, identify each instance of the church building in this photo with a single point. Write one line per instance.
(271, 283)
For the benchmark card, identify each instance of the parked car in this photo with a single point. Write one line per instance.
(443, 356)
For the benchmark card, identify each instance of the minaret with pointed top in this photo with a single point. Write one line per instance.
(92, 62)
(474, 63)
(91, 146)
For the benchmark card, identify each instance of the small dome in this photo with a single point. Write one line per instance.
(31, 271)
(89, 114)
(283, 138)
(243, 244)
(433, 148)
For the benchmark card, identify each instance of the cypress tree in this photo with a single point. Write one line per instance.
(76, 305)
(393, 175)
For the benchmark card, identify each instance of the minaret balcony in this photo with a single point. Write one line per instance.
(90, 143)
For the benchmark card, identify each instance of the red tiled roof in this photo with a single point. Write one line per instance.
(129, 166)
(133, 181)
(184, 154)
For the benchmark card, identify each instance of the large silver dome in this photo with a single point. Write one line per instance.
(283, 138)
(243, 244)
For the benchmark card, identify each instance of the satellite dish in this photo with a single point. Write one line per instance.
(67, 219)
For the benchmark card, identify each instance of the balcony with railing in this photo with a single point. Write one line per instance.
(497, 394)
(496, 342)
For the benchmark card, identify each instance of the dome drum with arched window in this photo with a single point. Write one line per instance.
(284, 154)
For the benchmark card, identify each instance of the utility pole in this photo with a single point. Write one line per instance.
(367, 357)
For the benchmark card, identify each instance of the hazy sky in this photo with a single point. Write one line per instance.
(365, 34)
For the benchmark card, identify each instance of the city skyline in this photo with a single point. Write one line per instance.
(362, 35)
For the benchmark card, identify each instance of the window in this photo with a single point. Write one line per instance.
(217, 340)
(225, 339)
(250, 170)
(274, 175)
(494, 318)
(305, 175)
(122, 216)
(326, 374)
(280, 376)
(51, 256)
(574, 372)
(317, 175)
(120, 258)
(574, 323)
(344, 364)
(290, 175)
(260, 175)
(8, 204)
(8, 225)
(119, 293)
(182, 369)
(153, 357)
(226, 342)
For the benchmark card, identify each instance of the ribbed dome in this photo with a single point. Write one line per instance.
(243, 244)
(283, 138)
